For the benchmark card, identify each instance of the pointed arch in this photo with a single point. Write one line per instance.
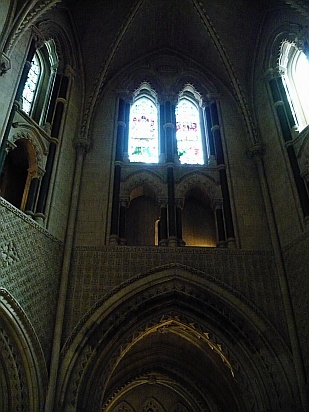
(193, 298)
(207, 183)
(141, 178)
(152, 405)
(123, 407)
(21, 356)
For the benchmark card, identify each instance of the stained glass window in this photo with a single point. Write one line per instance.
(188, 133)
(143, 132)
(31, 85)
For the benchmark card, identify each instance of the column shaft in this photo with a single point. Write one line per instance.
(163, 226)
(122, 224)
(179, 226)
(172, 235)
(220, 227)
(32, 194)
(114, 233)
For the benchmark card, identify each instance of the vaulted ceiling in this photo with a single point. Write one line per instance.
(219, 36)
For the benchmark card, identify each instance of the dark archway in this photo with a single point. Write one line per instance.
(188, 332)
(14, 175)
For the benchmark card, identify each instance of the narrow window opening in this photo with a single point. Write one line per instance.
(143, 128)
(188, 128)
(31, 85)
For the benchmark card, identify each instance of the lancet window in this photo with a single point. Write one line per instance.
(143, 126)
(188, 133)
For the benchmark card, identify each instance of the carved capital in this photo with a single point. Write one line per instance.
(168, 97)
(180, 202)
(124, 201)
(162, 202)
(81, 145)
(5, 63)
(256, 152)
(125, 95)
(70, 72)
(217, 204)
(212, 97)
(38, 37)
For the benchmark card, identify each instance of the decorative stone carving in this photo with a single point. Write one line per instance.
(8, 254)
(123, 407)
(197, 180)
(255, 341)
(141, 178)
(153, 404)
(22, 356)
(5, 63)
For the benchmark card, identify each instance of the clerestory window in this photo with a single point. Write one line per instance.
(188, 133)
(40, 81)
(295, 68)
(32, 84)
(143, 127)
(183, 130)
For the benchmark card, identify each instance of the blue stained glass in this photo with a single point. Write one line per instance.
(31, 85)
(188, 133)
(143, 132)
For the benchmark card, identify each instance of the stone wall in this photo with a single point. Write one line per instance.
(297, 263)
(97, 271)
(30, 265)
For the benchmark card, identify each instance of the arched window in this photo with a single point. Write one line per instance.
(295, 68)
(143, 127)
(188, 129)
(40, 80)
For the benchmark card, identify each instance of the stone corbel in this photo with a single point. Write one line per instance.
(5, 63)
(180, 202)
(81, 145)
(256, 152)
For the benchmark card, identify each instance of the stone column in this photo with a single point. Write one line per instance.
(203, 126)
(39, 215)
(168, 126)
(162, 142)
(179, 207)
(122, 130)
(172, 234)
(127, 108)
(218, 204)
(227, 210)
(81, 147)
(122, 221)
(256, 152)
(32, 196)
(114, 232)
(57, 118)
(210, 140)
(53, 100)
(163, 223)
